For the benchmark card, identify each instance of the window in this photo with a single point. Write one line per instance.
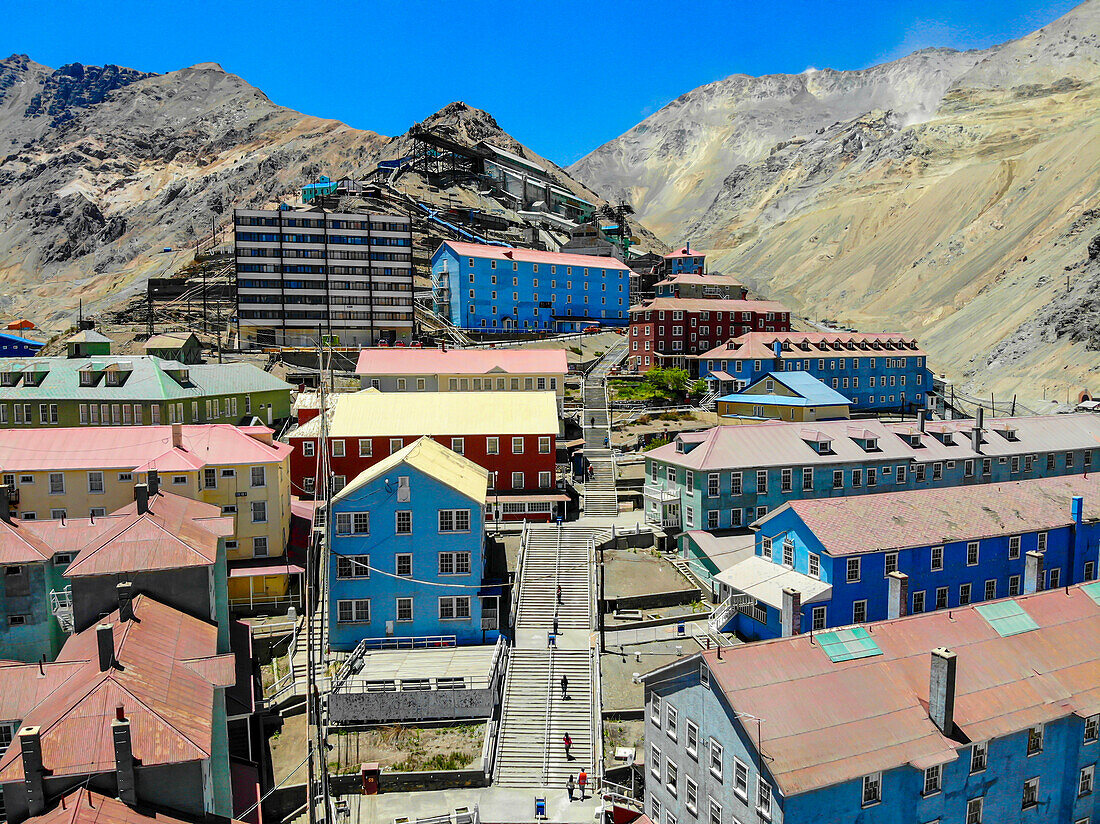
(1054, 578)
(766, 546)
(352, 566)
(1089, 570)
(230, 509)
(979, 756)
(1013, 585)
(95, 483)
(670, 720)
(872, 476)
(712, 519)
(1084, 782)
(740, 779)
(735, 483)
(1031, 794)
(891, 562)
(691, 795)
(258, 476)
(458, 446)
(807, 479)
(517, 446)
(259, 512)
(937, 558)
(715, 811)
(1014, 547)
(762, 481)
(454, 608)
(857, 478)
(918, 602)
(853, 570)
(838, 479)
(933, 779)
(355, 611)
(517, 480)
(716, 759)
(736, 518)
(57, 483)
(788, 552)
(1035, 740)
(872, 788)
(654, 809)
(964, 594)
(941, 597)
(785, 481)
(814, 565)
(712, 485)
(991, 589)
(859, 612)
(396, 444)
(972, 553)
(403, 522)
(454, 520)
(338, 448)
(1092, 728)
(454, 563)
(691, 738)
(365, 447)
(763, 798)
(974, 811)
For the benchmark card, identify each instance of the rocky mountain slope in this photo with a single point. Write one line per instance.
(948, 194)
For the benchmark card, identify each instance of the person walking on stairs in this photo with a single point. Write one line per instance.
(582, 779)
(564, 688)
(559, 593)
(569, 786)
(565, 739)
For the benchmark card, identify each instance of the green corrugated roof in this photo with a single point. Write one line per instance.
(147, 382)
(847, 644)
(1006, 617)
(1093, 591)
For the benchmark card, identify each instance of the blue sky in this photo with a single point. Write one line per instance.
(561, 76)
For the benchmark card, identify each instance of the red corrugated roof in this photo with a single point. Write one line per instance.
(20, 544)
(164, 690)
(711, 305)
(683, 251)
(872, 713)
(82, 806)
(477, 250)
(126, 447)
(759, 345)
(408, 361)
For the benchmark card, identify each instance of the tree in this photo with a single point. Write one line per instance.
(668, 382)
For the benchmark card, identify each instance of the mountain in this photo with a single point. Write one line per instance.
(947, 194)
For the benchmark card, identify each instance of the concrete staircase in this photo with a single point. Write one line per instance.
(600, 498)
(555, 556)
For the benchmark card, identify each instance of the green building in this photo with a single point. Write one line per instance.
(184, 347)
(136, 390)
(88, 343)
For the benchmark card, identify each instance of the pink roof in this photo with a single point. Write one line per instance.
(478, 250)
(699, 277)
(821, 344)
(127, 447)
(683, 251)
(408, 361)
(876, 713)
(711, 305)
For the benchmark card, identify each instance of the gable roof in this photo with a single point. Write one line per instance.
(809, 391)
(168, 671)
(404, 360)
(478, 250)
(815, 345)
(925, 517)
(170, 340)
(876, 715)
(84, 806)
(434, 460)
(709, 305)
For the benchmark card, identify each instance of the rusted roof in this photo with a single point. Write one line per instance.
(875, 715)
(83, 806)
(19, 544)
(923, 517)
(815, 345)
(710, 305)
(174, 533)
(163, 682)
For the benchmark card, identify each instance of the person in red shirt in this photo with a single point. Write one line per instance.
(582, 780)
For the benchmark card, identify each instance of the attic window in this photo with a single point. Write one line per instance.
(679, 446)
(9, 378)
(871, 444)
(1007, 432)
(87, 377)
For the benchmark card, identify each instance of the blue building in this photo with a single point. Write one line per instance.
(878, 372)
(684, 261)
(498, 289)
(15, 346)
(979, 715)
(827, 563)
(408, 551)
(729, 476)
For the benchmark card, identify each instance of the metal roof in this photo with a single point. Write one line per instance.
(1007, 617)
(815, 345)
(871, 714)
(708, 305)
(765, 581)
(809, 391)
(926, 517)
(395, 360)
(84, 806)
(507, 254)
(434, 460)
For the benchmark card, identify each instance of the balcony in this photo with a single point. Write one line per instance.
(661, 493)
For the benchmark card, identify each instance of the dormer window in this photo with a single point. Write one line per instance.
(87, 377)
(114, 379)
(1006, 432)
(679, 446)
(871, 444)
(824, 447)
(9, 378)
(948, 438)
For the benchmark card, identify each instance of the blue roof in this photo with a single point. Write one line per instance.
(10, 339)
(810, 392)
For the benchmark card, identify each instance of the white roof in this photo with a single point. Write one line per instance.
(765, 581)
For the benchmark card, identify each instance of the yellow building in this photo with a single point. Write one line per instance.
(783, 396)
(91, 471)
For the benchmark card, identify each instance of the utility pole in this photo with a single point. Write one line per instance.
(204, 300)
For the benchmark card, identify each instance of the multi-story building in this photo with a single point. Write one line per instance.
(593, 239)
(62, 575)
(409, 369)
(119, 390)
(76, 473)
(408, 549)
(17, 346)
(499, 289)
(729, 476)
(790, 396)
(511, 434)
(981, 714)
(840, 561)
(685, 261)
(645, 272)
(134, 708)
(699, 286)
(306, 272)
(669, 331)
(877, 371)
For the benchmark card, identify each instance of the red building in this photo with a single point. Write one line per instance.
(511, 434)
(664, 331)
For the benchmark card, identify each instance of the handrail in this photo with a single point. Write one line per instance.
(513, 608)
(597, 717)
(549, 714)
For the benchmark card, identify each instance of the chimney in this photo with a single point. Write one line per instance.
(152, 480)
(976, 439)
(141, 496)
(1077, 509)
(5, 504)
(922, 419)
(898, 598)
(791, 616)
(30, 748)
(1033, 572)
(124, 758)
(125, 593)
(177, 436)
(777, 347)
(979, 422)
(105, 637)
(941, 690)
